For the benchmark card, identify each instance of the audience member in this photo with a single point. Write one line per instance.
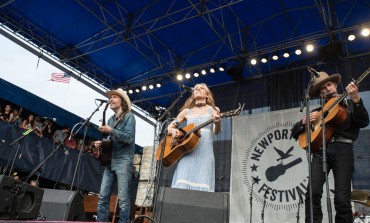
(38, 126)
(60, 135)
(16, 118)
(47, 129)
(28, 123)
(7, 115)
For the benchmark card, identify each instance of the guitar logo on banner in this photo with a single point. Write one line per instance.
(275, 168)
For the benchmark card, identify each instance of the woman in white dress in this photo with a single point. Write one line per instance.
(196, 169)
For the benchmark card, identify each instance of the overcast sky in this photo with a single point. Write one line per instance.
(19, 67)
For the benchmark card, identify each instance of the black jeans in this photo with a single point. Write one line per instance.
(340, 161)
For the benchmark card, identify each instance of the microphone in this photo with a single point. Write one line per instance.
(313, 72)
(102, 100)
(49, 119)
(190, 89)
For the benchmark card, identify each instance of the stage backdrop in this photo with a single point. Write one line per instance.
(269, 165)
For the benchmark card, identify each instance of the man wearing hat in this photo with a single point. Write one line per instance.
(121, 130)
(339, 149)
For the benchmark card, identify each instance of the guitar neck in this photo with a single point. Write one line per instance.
(199, 126)
(344, 95)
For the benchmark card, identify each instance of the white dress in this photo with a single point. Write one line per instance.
(196, 169)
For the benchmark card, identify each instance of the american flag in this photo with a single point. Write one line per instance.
(61, 77)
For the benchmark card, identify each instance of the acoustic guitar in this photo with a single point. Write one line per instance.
(175, 148)
(334, 114)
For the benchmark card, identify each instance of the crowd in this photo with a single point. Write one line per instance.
(27, 120)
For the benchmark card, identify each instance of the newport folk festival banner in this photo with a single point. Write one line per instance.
(269, 171)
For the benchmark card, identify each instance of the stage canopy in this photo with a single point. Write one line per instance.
(131, 44)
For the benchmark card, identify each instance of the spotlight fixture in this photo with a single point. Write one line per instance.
(365, 32)
(275, 57)
(179, 77)
(151, 86)
(298, 51)
(309, 48)
(204, 72)
(286, 55)
(351, 37)
(212, 70)
(253, 61)
(144, 88)
(159, 84)
(130, 91)
(196, 74)
(222, 67)
(187, 75)
(264, 60)
(137, 90)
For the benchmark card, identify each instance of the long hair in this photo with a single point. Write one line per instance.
(190, 102)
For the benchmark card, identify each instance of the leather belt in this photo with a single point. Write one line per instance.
(340, 139)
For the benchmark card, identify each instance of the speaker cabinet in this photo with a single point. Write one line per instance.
(19, 200)
(188, 206)
(62, 205)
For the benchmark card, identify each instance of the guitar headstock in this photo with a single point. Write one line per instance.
(232, 113)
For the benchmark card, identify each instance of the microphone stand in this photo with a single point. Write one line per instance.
(84, 124)
(163, 135)
(251, 201)
(299, 206)
(18, 141)
(42, 163)
(263, 207)
(324, 161)
(306, 103)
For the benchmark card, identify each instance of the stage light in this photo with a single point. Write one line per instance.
(351, 37)
(187, 75)
(130, 91)
(222, 67)
(212, 70)
(159, 84)
(196, 74)
(275, 57)
(137, 90)
(253, 61)
(204, 72)
(264, 60)
(179, 77)
(286, 55)
(144, 88)
(298, 51)
(309, 48)
(365, 32)
(151, 86)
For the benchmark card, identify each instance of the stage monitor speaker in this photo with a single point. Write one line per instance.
(62, 205)
(19, 200)
(188, 206)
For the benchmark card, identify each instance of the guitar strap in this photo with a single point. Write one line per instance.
(120, 118)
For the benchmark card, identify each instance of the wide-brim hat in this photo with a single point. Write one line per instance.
(120, 92)
(322, 79)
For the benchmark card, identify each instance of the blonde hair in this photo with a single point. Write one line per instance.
(190, 102)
